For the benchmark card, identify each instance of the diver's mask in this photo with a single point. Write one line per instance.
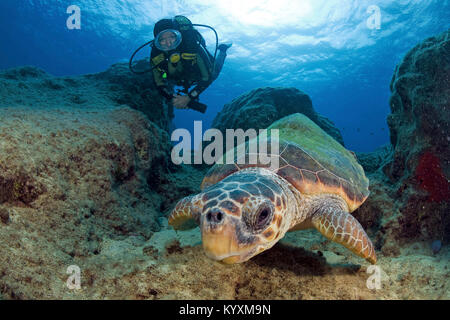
(168, 39)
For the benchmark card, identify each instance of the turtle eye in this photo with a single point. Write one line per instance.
(257, 215)
(262, 217)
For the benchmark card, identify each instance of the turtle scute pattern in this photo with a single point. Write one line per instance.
(309, 176)
(311, 160)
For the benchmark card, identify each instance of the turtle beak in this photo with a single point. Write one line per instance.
(220, 242)
(232, 260)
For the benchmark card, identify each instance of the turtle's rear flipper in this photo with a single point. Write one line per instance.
(341, 227)
(186, 214)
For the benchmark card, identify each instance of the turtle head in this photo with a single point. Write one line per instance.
(241, 217)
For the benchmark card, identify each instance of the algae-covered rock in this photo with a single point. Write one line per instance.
(116, 86)
(70, 179)
(420, 126)
(372, 161)
(410, 189)
(259, 108)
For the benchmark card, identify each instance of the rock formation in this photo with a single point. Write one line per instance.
(116, 86)
(259, 108)
(410, 193)
(77, 167)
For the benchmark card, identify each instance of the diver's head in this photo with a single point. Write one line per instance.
(161, 25)
(168, 40)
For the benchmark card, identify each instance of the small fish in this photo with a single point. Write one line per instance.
(436, 246)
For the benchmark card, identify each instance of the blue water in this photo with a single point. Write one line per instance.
(322, 47)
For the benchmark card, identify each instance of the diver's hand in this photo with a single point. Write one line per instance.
(181, 102)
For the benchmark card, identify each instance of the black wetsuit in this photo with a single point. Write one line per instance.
(192, 68)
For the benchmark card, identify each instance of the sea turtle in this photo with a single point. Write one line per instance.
(244, 209)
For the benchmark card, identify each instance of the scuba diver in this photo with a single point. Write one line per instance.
(179, 58)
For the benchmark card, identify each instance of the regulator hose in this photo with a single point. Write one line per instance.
(130, 64)
(215, 32)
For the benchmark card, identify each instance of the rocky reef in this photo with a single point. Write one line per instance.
(83, 161)
(261, 107)
(86, 180)
(31, 86)
(419, 126)
(410, 190)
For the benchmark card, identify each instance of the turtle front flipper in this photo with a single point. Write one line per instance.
(341, 227)
(186, 214)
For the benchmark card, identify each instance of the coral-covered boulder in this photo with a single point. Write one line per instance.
(115, 86)
(419, 124)
(420, 109)
(372, 161)
(412, 189)
(70, 179)
(137, 91)
(259, 108)
(65, 163)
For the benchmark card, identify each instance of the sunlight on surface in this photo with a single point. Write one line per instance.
(330, 49)
(265, 13)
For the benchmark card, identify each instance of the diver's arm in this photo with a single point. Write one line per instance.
(199, 88)
(205, 80)
(164, 91)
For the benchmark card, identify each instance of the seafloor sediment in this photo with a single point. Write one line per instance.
(86, 180)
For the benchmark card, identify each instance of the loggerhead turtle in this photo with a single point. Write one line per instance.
(245, 209)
